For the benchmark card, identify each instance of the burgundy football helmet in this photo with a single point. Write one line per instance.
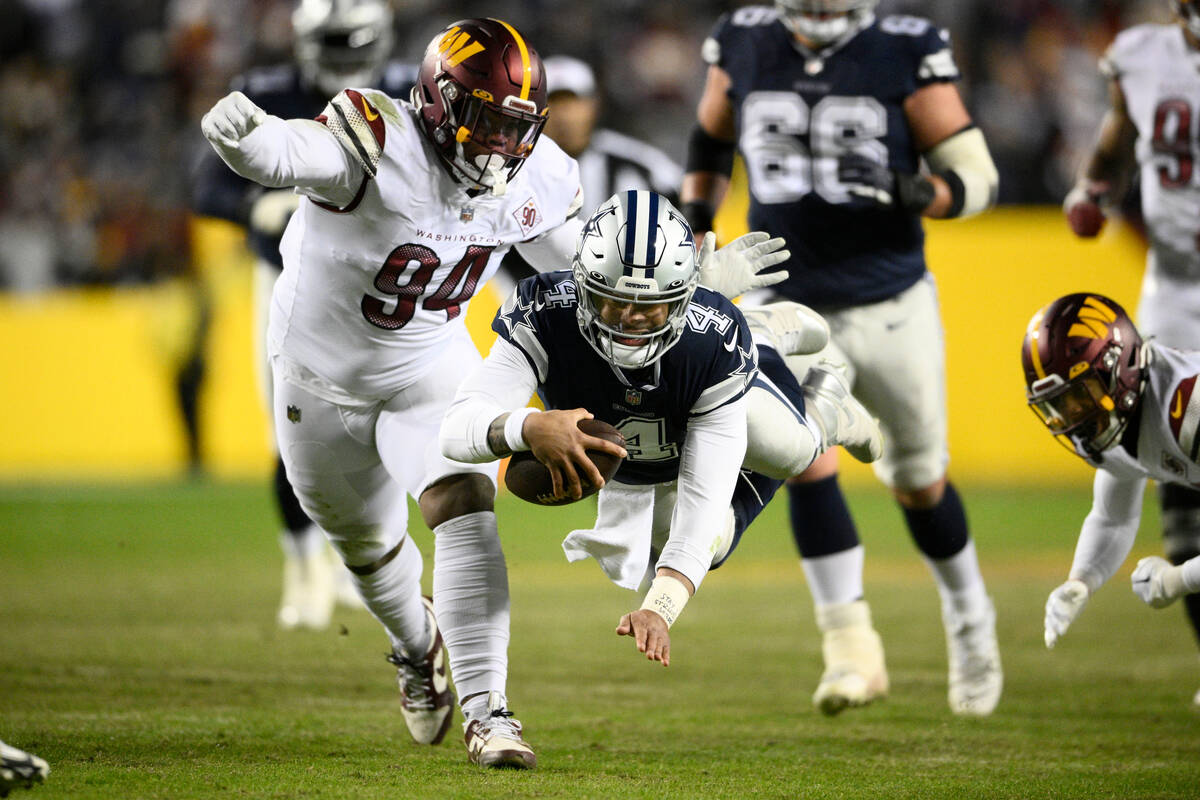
(1188, 12)
(1085, 368)
(481, 93)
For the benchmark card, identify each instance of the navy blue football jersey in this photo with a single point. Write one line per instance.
(218, 191)
(711, 365)
(796, 113)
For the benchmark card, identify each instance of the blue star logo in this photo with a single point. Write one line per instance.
(520, 315)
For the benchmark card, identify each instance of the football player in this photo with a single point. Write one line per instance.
(407, 208)
(1127, 406)
(628, 336)
(852, 130)
(19, 769)
(340, 44)
(1154, 93)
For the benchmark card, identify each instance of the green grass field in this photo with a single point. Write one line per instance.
(139, 656)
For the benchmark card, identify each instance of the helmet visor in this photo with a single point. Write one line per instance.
(508, 132)
(1081, 413)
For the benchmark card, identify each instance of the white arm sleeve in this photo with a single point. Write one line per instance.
(1109, 528)
(504, 382)
(296, 152)
(555, 249)
(708, 472)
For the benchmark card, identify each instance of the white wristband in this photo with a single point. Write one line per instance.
(667, 597)
(512, 429)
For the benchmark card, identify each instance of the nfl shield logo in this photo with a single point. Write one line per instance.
(293, 414)
(633, 397)
(466, 215)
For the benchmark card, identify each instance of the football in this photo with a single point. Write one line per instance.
(528, 478)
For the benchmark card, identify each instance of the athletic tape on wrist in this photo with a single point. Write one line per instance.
(513, 436)
(667, 597)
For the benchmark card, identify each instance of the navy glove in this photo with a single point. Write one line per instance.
(884, 187)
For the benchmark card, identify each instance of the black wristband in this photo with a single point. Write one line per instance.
(958, 192)
(706, 153)
(699, 215)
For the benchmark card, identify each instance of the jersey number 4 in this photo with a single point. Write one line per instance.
(782, 169)
(405, 275)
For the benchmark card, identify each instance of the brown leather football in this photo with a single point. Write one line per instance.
(528, 478)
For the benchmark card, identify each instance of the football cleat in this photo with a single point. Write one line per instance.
(1196, 699)
(308, 585)
(425, 697)
(794, 329)
(842, 418)
(855, 673)
(19, 769)
(495, 740)
(976, 678)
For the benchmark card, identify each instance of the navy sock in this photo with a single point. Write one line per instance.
(289, 507)
(821, 521)
(939, 532)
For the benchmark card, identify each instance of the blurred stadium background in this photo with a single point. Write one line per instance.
(138, 621)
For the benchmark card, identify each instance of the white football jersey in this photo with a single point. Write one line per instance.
(1168, 438)
(367, 291)
(1160, 78)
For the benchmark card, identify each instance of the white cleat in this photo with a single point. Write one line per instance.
(1196, 700)
(425, 697)
(976, 677)
(794, 329)
(20, 770)
(308, 589)
(843, 419)
(494, 740)
(855, 673)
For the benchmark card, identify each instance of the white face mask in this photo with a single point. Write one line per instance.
(819, 31)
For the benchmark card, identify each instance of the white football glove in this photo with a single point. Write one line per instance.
(229, 121)
(1157, 582)
(1062, 607)
(735, 268)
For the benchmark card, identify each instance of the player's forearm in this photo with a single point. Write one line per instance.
(485, 420)
(298, 152)
(1108, 531)
(708, 472)
(699, 198)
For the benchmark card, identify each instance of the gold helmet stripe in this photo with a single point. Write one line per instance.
(526, 64)
(1032, 331)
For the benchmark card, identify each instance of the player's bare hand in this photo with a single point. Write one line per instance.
(556, 441)
(232, 119)
(649, 631)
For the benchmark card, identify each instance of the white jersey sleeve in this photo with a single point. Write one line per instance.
(1109, 528)
(708, 472)
(300, 153)
(503, 383)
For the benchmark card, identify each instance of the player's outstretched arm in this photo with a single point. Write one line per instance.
(281, 153)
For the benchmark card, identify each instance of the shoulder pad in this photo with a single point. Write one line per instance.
(1183, 415)
(358, 125)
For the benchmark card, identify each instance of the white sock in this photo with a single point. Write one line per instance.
(835, 578)
(470, 598)
(305, 544)
(392, 594)
(960, 583)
